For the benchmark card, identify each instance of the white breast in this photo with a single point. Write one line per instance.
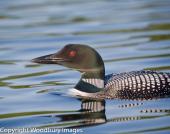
(74, 92)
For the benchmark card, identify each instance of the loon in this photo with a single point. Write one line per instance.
(144, 84)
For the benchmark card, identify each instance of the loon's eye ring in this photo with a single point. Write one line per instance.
(72, 53)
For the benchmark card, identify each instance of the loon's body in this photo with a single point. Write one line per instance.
(95, 85)
(138, 84)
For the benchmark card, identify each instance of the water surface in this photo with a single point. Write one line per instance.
(129, 35)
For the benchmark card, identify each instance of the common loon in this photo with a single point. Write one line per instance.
(94, 84)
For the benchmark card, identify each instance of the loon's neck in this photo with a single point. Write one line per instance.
(91, 82)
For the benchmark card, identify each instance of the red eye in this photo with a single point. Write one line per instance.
(72, 53)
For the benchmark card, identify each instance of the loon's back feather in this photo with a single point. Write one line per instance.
(137, 85)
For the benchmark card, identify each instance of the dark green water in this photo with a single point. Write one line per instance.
(129, 35)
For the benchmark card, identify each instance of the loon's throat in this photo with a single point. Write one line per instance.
(90, 85)
(92, 81)
(95, 73)
(96, 82)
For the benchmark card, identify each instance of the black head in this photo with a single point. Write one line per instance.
(80, 57)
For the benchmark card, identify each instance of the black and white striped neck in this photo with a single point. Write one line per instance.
(90, 85)
(94, 81)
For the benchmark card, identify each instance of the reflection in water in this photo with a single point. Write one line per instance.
(92, 113)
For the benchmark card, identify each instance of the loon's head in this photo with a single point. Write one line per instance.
(80, 57)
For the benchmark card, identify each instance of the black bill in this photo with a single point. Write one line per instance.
(49, 59)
